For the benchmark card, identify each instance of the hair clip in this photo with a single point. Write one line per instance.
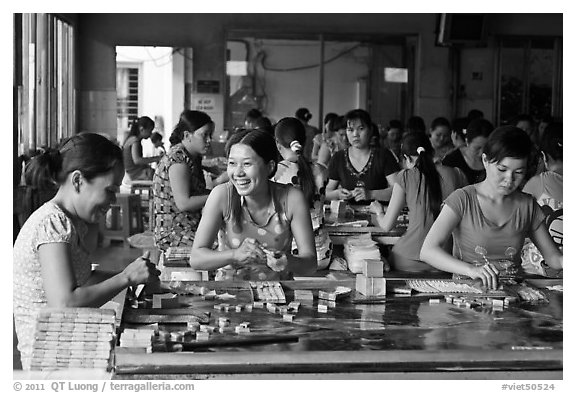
(295, 146)
(420, 150)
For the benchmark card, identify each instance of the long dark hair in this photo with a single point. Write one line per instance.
(416, 143)
(189, 121)
(144, 122)
(265, 146)
(291, 134)
(91, 154)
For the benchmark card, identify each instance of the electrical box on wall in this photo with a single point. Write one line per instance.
(461, 30)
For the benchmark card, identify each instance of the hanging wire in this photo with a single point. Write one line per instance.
(262, 54)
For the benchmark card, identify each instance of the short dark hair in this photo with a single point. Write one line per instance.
(253, 114)
(552, 141)
(416, 123)
(189, 121)
(439, 122)
(92, 154)
(508, 141)
(155, 137)
(478, 127)
(303, 114)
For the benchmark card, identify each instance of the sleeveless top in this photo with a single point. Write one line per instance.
(274, 235)
(134, 171)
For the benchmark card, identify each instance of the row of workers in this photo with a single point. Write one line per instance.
(251, 215)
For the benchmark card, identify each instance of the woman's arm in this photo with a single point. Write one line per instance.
(301, 225)
(202, 256)
(324, 155)
(543, 241)
(61, 287)
(397, 202)
(179, 176)
(137, 155)
(333, 193)
(317, 142)
(434, 254)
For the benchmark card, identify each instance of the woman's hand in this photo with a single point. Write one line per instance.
(344, 194)
(376, 208)
(249, 251)
(488, 273)
(276, 260)
(360, 194)
(141, 270)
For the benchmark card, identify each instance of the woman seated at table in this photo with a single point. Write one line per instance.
(332, 140)
(52, 266)
(361, 172)
(490, 220)
(422, 187)
(469, 157)
(254, 218)
(547, 188)
(137, 166)
(179, 186)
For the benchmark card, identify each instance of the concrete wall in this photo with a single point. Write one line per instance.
(206, 34)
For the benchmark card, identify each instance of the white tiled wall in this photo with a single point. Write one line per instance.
(98, 111)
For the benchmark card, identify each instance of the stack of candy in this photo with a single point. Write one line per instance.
(357, 249)
(137, 339)
(177, 256)
(73, 338)
(268, 291)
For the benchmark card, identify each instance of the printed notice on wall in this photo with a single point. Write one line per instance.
(204, 104)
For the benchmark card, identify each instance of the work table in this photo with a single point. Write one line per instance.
(384, 339)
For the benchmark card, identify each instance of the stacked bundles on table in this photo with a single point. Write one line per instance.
(359, 248)
(268, 291)
(323, 248)
(137, 338)
(177, 256)
(371, 282)
(73, 337)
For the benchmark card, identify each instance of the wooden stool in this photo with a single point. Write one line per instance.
(144, 189)
(126, 219)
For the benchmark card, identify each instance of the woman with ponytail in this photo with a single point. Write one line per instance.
(52, 266)
(422, 188)
(254, 218)
(179, 187)
(137, 166)
(296, 170)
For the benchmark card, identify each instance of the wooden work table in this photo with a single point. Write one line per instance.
(400, 337)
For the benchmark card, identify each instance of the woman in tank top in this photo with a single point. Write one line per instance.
(254, 218)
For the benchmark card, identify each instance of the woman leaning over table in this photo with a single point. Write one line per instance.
(254, 218)
(179, 187)
(361, 172)
(52, 266)
(422, 188)
(490, 220)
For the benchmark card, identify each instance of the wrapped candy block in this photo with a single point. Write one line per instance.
(371, 286)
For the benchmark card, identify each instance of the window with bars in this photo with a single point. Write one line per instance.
(127, 89)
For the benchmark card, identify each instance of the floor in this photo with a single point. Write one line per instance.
(114, 258)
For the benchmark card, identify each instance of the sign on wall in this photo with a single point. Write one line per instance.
(204, 104)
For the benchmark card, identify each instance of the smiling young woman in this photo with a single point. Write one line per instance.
(253, 218)
(490, 220)
(51, 254)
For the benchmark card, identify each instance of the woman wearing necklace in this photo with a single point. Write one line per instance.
(361, 173)
(254, 218)
(469, 157)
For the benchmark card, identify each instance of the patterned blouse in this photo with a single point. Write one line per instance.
(48, 224)
(173, 227)
(275, 235)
